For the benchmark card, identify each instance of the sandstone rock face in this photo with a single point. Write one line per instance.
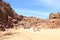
(10, 22)
(28, 22)
(3, 16)
(55, 23)
(54, 20)
(2, 27)
(52, 23)
(5, 11)
(54, 15)
(7, 14)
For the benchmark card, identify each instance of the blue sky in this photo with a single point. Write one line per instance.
(35, 8)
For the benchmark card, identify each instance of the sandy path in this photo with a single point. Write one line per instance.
(25, 34)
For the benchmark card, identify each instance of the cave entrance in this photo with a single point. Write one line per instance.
(55, 18)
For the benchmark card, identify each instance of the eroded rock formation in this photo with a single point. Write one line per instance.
(54, 15)
(7, 14)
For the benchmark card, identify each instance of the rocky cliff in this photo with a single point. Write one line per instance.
(7, 14)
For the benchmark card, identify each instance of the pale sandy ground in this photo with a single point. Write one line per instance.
(28, 34)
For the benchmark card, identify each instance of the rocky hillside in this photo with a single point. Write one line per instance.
(7, 14)
(28, 22)
(9, 19)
